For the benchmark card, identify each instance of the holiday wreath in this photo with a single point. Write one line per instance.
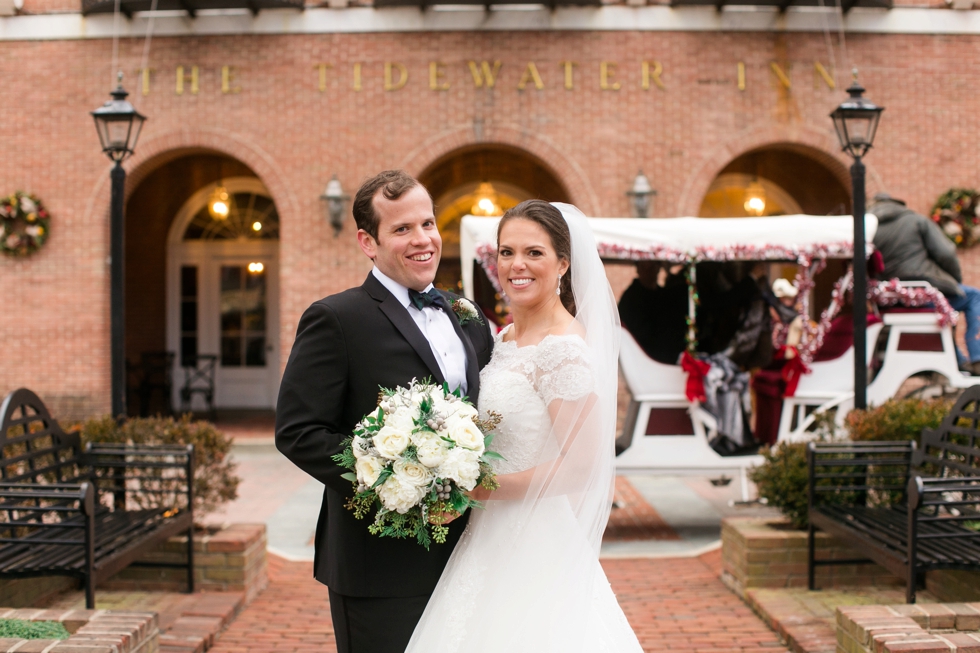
(23, 224)
(956, 211)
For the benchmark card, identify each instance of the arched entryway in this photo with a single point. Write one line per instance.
(484, 179)
(202, 282)
(779, 179)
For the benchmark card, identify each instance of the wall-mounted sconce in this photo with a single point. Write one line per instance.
(336, 200)
(641, 195)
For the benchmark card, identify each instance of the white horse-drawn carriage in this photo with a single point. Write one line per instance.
(665, 431)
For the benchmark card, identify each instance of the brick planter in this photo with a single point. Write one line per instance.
(922, 628)
(92, 631)
(231, 559)
(761, 552)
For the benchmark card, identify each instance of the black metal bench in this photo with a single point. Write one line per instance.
(89, 514)
(909, 509)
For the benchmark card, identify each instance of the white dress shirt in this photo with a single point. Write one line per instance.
(437, 327)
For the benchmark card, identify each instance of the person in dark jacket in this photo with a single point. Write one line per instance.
(914, 248)
(654, 310)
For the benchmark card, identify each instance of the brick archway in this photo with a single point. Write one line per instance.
(819, 145)
(566, 170)
(159, 150)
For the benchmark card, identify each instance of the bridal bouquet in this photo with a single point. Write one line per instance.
(414, 457)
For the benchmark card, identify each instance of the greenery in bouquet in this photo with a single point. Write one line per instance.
(956, 212)
(414, 459)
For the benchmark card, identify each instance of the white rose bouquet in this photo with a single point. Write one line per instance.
(415, 457)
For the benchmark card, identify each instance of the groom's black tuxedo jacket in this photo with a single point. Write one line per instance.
(348, 346)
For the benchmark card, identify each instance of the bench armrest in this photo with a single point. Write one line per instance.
(849, 471)
(926, 491)
(54, 497)
(146, 473)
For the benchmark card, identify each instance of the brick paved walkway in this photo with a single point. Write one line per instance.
(674, 604)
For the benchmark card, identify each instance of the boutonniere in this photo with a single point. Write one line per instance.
(466, 311)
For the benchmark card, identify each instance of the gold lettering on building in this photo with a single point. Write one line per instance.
(650, 72)
(436, 73)
(741, 75)
(192, 78)
(607, 71)
(569, 67)
(321, 80)
(824, 75)
(228, 80)
(144, 75)
(357, 77)
(484, 74)
(390, 83)
(781, 75)
(530, 74)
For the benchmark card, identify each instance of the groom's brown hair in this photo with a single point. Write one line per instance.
(392, 184)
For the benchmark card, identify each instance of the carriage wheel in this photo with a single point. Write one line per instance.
(927, 385)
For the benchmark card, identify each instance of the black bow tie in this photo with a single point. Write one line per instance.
(429, 298)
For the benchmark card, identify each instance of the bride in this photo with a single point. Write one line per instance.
(525, 576)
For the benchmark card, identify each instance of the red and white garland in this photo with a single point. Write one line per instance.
(804, 256)
(882, 293)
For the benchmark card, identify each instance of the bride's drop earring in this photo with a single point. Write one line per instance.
(558, 289)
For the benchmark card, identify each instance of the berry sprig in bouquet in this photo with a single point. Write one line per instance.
(415, 457)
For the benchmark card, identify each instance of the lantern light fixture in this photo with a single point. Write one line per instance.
(219, 206)
(755, 199)
(641, 194)
(487, 203)
(118, 124)
(336, 201)
(856, 121)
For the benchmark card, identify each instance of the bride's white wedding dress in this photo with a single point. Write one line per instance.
(525, 577)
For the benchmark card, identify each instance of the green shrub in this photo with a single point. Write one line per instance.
(215, 482)
(20, 629)
(782, 480)
(897, 419)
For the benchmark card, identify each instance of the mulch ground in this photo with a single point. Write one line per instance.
(676, 604)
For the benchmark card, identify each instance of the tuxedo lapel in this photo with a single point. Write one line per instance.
(399, 317)
(472, 365)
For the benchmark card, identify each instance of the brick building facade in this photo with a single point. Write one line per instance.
(290, 106)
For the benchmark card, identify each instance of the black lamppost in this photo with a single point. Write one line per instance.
(856, 121)
(118, 125)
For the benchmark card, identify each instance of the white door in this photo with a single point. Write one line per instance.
(242, 333)
(223, 298)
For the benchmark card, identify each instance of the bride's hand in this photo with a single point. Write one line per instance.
(443, 518)
(479, 493)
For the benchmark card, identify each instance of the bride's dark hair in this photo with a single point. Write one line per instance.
(551, 220)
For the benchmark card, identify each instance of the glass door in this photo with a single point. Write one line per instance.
(243, 313)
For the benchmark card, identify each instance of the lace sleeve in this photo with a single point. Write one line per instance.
(562, 369)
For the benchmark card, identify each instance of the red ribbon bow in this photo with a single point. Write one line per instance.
(793, 369)
(695, 376)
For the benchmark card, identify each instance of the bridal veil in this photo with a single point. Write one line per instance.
(526, 575)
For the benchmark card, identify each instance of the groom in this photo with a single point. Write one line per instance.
(393, 328)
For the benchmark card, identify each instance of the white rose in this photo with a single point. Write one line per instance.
(391, 442)
(463, 409)
(464, 433)
(431, 452)
(403, 419)
(462, 466)
(359, 446)
(368, 470)
(398, 495)
(441, 406)
(412, 473)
